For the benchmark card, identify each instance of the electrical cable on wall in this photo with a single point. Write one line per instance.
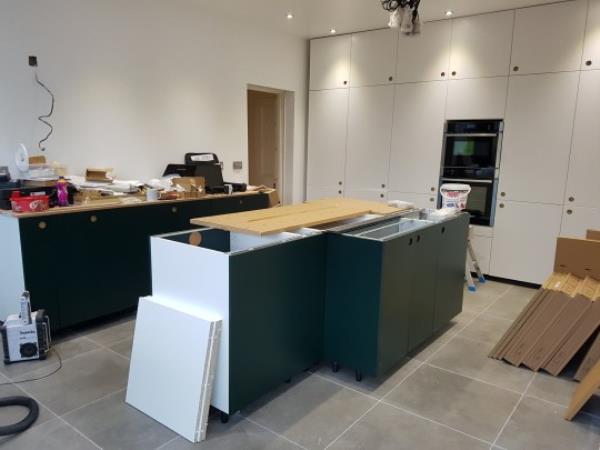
(43, 118)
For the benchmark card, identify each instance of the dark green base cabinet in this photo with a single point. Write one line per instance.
(389, 289)
(82, 266)
(269, 292)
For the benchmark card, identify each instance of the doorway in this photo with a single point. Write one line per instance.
(265, 138)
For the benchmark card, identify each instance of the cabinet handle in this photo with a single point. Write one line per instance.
(501, 205)
(340, 192)
(345, 83)
(383, 186)
(431, 199)
(454, 73)
(571, 199)
(93, 219)
(42, 225)
(516, 68)
(503, 194)
(443, 230)
(443, 74)
(382, 195)
(340, 183)
(569, 211)
(432, 188)
(418, 238)
(391, 78)
(588, 62)
(174, 209)
(410, 242)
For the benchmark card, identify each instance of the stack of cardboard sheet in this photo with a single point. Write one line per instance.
(562, 317)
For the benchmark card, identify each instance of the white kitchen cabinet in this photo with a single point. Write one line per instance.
(330, 62)
(537, 137)
(369, 137)
(318, 192)
(417, 137)
(477, 98)
(419, 200)
(482, 246)
(481, 45)
(374, 195)
(425, 56)
(583, 185)
(576, 221)
(549, 38)
(525, 241)
(328, 114)
(373, 60)
(591, 45)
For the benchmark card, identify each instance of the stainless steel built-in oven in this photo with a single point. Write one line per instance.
(471, 156)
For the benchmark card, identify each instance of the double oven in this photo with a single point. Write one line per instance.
(471, 155)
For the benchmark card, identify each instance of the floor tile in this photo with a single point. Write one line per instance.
(467, 405)
(486, 328)
(486, 294)
(510, 304)
(52, 435)
(112, 424)
(538, 425)
(311, 412)
(470, 358)
(13, 414)
(80, 381)
(237, 434)
(429, 347)
(560, 390)
(371, 386)
(123, 347)
(387, 428)
(111, 334)
(66, 347)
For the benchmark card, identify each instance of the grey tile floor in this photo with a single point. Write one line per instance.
(447, 395)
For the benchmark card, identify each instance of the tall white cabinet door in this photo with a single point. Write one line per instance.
(481, 45)
(591, 46)
(425, 56)
(374, 195)
(583, 185)
(525, 241)
(369, 137)
(373, 60)
(419, 200)
(537, 137)
(319, 192)
(417, 137)
(576, 221)
(549, 38)
(330, 62)
(477, 98)
(328, 115)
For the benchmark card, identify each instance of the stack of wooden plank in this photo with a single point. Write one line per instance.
(562, 318)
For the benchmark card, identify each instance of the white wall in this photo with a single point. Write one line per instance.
(141, 82)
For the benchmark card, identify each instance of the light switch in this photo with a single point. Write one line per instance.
(237, 165)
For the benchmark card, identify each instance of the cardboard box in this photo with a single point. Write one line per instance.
(98, 175)
(193, 187)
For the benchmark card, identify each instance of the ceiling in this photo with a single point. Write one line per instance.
(313, 18)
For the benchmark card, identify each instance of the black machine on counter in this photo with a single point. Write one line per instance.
(208, 166)
(471, 156)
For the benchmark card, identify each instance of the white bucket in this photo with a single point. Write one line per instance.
(455, 195)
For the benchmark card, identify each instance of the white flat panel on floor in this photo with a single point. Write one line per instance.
(419, 200)
(373, 60)
(330, 63)
(583, 184)
(327, 126)
(172, 365)
(549, 38)
(12, 280)
(369, 137)
(481, 45)
(477, 98)
(197, 276)
(417, 137)
(482, 246)
(537, 137)
(591, 46)
(425, 56)
(319, 192)
(576, 221)
(525, 241)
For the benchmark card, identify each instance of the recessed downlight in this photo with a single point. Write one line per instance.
(449, 13)
(289, 16)
(333, 31)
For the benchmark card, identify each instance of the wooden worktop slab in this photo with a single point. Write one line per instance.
(293, 217)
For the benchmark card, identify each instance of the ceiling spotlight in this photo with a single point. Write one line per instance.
(449, 13)
(290, 16)
(333, 31)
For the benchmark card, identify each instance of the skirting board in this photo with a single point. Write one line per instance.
(173, 364)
